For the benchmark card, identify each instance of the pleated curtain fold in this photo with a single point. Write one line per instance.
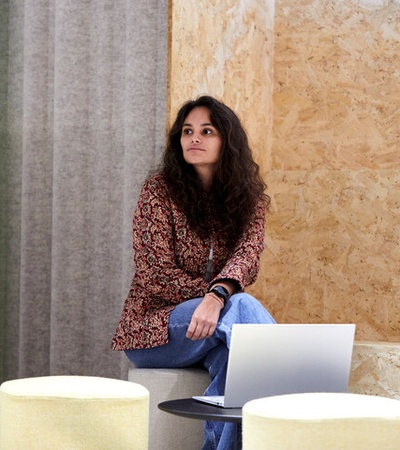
(83, 110)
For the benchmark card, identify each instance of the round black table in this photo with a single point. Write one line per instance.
(193, 409)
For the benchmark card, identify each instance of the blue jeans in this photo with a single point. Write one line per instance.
(211, 353)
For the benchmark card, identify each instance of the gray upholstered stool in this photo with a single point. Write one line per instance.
(169, 432)
(73, 412)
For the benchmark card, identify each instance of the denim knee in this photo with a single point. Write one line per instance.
(247, 309)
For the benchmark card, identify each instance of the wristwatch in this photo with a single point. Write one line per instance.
(220, 292)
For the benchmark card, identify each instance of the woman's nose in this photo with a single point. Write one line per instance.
(196, 139)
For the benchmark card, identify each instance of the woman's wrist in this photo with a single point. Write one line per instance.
(230, 285)
(215, 297)
(220, 292)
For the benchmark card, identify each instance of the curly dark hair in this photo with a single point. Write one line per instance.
(237, 186)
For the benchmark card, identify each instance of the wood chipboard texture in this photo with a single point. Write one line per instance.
(225, 49)
(334, 174)
(331, 154)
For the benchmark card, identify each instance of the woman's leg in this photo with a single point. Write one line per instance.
(179, 351)
(211, 352)
(240, 308)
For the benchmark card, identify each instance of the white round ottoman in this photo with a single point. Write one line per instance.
(322, 421)
(73, 413)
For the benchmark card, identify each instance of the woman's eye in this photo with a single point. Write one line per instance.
(186, 131)
(207, 131)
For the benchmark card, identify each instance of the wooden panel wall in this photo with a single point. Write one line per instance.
(335, 169)
(224, 49)
(332, 161)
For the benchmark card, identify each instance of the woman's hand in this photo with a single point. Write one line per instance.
(205, 318)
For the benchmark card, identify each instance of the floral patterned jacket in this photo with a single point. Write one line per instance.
(170, 266)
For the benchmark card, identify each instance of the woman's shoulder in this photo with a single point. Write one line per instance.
(155, 186)
(155, 182)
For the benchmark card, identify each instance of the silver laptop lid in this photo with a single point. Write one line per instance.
(267, 360)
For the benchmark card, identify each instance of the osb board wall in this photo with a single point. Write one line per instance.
(333, 168)
(334, 174)
(375, 369)
(224, 49)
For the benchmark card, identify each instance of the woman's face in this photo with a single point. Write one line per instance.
(201, 143)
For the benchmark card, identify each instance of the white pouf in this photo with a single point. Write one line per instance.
(169, 432)
(73, 413)
(322, 421)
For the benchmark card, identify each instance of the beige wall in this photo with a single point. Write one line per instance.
(332, 161)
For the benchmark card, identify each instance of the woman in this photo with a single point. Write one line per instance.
(198, 233)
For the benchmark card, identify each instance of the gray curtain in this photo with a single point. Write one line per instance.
(83, 112)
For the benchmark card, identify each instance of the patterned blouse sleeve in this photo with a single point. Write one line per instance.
(244, 264)
(155, 267)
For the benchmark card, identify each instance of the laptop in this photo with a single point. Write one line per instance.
(266, 360)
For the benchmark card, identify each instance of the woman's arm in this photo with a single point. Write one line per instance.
(242, 267)
(239, 271)
(153, 242)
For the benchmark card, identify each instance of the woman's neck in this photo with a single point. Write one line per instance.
(206, 179)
